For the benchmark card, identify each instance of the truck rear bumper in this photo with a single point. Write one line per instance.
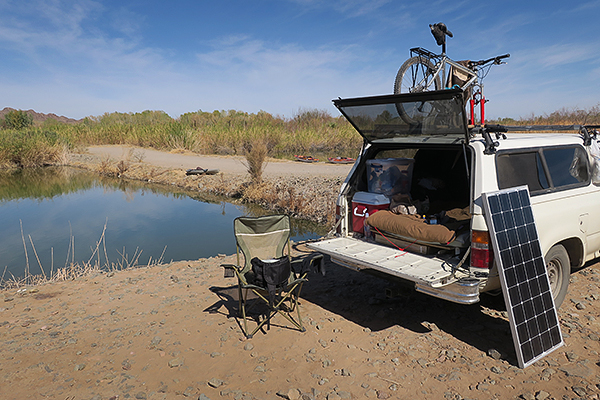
(463, 291)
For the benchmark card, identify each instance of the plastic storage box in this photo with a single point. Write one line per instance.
(365, 204)
(390, 176)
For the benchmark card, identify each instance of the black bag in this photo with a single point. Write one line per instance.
(271, 274)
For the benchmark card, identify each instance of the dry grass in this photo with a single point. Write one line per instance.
(98, 262)
(256, 154)
(109, 167)
(122, 167)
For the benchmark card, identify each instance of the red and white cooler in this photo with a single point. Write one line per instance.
(365, 204)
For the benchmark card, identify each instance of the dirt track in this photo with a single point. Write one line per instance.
(228, 164)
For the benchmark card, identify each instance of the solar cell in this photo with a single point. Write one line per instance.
(522, 270)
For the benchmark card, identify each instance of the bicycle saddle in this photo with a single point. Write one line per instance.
(439, 32)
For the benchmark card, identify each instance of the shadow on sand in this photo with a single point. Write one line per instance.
(362, 299)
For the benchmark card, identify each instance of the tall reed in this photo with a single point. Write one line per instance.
(218, 132)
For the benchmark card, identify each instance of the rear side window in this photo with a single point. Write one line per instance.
(567, 165)
(518, 169)
(543, 169)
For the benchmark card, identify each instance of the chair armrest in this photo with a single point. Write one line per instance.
(310, 263)
(229, 270)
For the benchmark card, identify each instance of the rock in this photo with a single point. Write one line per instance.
(140, 396)
(579, 391)
(483, 386)
(79, 367)
(454, 376)
(203, 397)
(497, 370)
(422, 362)
(495, 354)
(176, 362)
(215, 383)
(571, 356)
(126, 365)
(293, 394)
(248, 346)
(578, 370)
(542, 395)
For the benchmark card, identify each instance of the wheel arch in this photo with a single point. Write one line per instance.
(575, 250)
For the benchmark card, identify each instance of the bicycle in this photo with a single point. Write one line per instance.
(422, 71)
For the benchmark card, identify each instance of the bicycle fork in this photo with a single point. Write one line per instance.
(477, 99)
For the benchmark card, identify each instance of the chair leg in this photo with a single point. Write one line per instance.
(276, 308)
(302, 328)
(242, 308)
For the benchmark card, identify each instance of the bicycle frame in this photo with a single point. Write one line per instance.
(440, 67)
(441, 62)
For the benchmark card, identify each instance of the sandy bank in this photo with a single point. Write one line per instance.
(168, 332)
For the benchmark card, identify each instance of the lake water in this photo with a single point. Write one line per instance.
(60, 214)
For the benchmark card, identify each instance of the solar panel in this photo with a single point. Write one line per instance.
(522, 270)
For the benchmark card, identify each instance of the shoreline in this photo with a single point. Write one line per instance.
(303, 190)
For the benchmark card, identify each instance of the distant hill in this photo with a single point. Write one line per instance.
(39, 118)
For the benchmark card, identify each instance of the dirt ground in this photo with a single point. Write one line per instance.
(228, 164)
(171, 332)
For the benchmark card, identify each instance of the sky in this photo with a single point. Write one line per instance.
(81, 58)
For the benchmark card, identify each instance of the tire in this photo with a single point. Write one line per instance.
(411, 73)
(558, 267)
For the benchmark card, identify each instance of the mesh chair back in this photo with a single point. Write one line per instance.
(263, 237)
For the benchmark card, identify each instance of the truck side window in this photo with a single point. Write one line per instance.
(567, 165)
(517, 169)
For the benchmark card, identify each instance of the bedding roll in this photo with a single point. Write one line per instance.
(410, 226)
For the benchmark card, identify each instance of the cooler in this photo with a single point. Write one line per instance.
(365, 204)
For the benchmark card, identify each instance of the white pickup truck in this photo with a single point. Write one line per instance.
(421, 164)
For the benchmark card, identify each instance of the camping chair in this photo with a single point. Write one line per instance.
(262, 241)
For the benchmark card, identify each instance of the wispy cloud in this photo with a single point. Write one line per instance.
(353, 8)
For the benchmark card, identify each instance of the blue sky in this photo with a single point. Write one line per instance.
(84, 57)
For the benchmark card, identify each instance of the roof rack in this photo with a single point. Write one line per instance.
(586, 131)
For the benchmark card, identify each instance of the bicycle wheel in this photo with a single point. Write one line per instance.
(414, 76)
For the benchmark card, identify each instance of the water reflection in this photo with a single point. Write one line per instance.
(59, 215)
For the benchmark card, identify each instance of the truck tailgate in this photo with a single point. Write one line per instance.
(358, 254)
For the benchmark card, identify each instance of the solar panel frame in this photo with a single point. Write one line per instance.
(522, 270)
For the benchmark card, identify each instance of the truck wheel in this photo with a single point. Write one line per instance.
(558, 268)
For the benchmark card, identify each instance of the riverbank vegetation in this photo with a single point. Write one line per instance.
(25, 143)
(219, 132)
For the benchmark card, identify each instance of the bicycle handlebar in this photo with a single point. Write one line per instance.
(496, 60)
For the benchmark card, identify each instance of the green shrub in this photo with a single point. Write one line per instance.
(17, 119)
